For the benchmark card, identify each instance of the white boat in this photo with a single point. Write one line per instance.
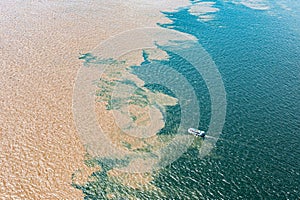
(196, 132)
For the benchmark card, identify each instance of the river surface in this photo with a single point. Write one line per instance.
(257, 157)
(254, 46)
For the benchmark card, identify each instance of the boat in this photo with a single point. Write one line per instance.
(196, 132)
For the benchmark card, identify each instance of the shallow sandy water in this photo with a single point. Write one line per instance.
(40, 44)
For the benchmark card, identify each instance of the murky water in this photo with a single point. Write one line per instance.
(256, 49)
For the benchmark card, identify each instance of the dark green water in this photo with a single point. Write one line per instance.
(258, 155)
(258, 56)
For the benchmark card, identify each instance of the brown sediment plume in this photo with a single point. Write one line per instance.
(40, 44)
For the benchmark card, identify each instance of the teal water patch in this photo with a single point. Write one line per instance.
(256, 54)
(90, 59)
(145, 56)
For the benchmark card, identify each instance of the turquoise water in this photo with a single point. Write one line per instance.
(258, 157)
(258, 154)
